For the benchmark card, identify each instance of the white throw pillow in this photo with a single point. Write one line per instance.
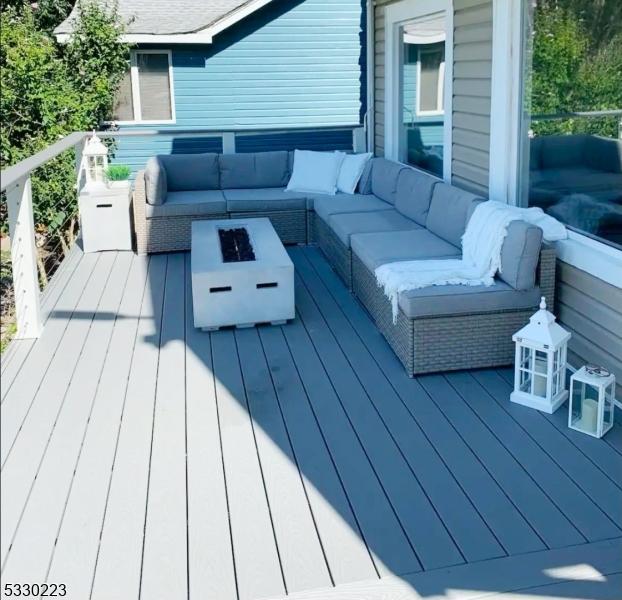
(351, 170)
(315, 172)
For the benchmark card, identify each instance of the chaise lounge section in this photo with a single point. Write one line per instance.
(398, 214)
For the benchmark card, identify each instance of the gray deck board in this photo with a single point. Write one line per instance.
(117, 569)
(300, 549)
(148, 459)
(14, 356)
(601, 455)
(501, 515)
(466, 526)
(602, 490)
(39, 523)
(348, 556)
(165, 522)
(573, 502)
(259, 573)
(75, 553)
(22, 464)
(211, 570)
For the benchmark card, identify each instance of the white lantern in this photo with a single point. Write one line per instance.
(540, 364)
(591, 407)
(95, 161)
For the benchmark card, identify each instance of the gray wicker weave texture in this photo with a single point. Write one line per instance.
(169, 234)
(338, 254)
(449, 343)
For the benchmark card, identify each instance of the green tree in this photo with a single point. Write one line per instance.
(50, 90)
(577, 64)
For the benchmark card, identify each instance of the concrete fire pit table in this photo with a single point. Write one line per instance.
(241, 274)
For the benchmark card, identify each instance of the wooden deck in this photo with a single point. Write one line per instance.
(142, 458)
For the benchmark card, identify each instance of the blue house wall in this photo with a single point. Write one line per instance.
(293, 63)
(431, 126)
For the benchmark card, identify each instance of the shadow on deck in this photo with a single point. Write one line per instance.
(144, 458)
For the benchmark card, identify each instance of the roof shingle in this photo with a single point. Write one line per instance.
(162, 17)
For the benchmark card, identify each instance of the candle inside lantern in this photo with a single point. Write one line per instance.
(539, 383)
(589, 415)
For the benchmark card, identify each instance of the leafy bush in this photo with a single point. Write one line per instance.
(118, 173)
(575, 66)
(49, 91)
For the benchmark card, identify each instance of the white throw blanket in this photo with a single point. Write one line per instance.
(481, 253)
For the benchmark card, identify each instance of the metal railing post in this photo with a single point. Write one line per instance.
(228, 142)
(24, 260)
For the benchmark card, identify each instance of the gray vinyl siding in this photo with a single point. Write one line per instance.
(592, 310)
(471, 91)
(471, 94)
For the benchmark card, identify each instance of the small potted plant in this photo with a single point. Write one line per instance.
(117, 176)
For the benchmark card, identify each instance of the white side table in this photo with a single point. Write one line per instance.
(105, 217)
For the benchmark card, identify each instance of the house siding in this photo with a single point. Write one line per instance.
(592, 310)
(472, 70)
(297, 63)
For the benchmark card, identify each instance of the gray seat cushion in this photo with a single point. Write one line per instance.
(384, 174)
(156, 185)
(325, 206)
(254, 170)
(414, 194)
(520, 254)
(376, 249)
(448, 212)
(189, 204)
(439, 300)
(246, 200)
(346, 224)
(187, 172)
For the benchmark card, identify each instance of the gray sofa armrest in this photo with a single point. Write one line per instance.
(139, 201)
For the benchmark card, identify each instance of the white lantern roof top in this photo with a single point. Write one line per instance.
(594, 380)
(95, 147)
(542, 330)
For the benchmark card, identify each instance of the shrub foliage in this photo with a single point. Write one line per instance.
(50, 90)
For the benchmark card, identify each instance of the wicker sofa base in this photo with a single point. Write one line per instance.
(338, 254)
(446, 343)
(290, 225)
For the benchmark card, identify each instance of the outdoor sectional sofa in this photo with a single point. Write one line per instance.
(399, 213)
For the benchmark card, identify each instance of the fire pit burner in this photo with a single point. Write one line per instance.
(235, 245)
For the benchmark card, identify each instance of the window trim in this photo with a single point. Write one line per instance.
(440, 99)
(135, 87)
(395, 16)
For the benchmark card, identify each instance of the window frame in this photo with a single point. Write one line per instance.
(440, 99)
(135, 89)
(396, 15)
(507, 162)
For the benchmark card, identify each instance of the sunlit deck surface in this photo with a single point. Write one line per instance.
(142, 458)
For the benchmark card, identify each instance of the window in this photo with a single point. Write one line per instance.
(146, 92)
(431, 69)
(571, 134)
(418, 77)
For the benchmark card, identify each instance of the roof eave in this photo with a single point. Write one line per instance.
(202, 36)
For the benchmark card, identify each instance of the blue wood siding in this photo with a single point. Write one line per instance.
(431, 126)
(294, 63)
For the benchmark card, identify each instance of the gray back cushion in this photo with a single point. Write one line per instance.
(520, 254)
(414, 194)
(384, 175)
(364, 186)
(156, 186)
(188, 172)
(448, 213)
(604, 154)
(254, 170)
(560, 151)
